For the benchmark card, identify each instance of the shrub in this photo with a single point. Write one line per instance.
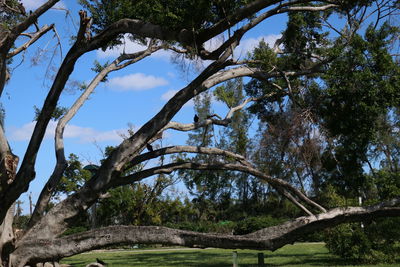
(372, 242)
(223, 227)
(75, 230)
(251, 224)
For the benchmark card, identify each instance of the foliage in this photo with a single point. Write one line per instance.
(57, 114)
(223, 227)
(8, 18)
(252, 224)
(140, 204)
(235, 138)
(204, 185)
(371, 242)
(74, 176)
(172, 14)
(130, 204)
(21, 222)
(75, 230)
(387, 184)
(98, 67)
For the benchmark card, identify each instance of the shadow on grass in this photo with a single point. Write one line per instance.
(214, 259)
(183, 259)
(294, 259)
(315, 259)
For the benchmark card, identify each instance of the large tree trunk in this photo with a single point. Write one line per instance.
(271, 238)
(7, 240)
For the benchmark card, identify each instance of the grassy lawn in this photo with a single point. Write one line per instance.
(300, 254)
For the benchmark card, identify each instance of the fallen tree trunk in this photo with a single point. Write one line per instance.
(271, 238)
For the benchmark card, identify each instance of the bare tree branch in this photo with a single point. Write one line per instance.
(188, 149)
(26, 172)
(6, 43)
(243, 167)
(222, 122)
(270, 238)
(113, 165)
(85, 44)
(61, 163)
(33, 38)
(285, 193)
(130, 147)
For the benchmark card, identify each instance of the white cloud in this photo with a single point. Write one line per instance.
(136, 82)
(81, 134)
(23, 133)
(247, 45)
(34, 4)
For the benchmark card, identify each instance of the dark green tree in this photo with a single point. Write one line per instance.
(235, 138)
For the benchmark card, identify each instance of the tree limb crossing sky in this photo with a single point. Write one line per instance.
(130, 97)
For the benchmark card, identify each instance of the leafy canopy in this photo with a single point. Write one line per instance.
(171, 14)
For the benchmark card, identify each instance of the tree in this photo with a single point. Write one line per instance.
(289, 73)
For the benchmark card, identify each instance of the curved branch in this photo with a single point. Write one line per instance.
(112, 166)
(130, 147)
(61, 164)
(270, 238)
(243, 13)
(246, 167)
(187, 149)
(184, 127)
(26, 172)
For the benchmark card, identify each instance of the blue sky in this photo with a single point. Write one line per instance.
(131, 96)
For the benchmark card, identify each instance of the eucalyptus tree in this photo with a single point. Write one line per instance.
(183, 27)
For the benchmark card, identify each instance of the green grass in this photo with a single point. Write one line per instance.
(300, 254)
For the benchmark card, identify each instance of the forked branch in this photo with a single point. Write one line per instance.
(33, 38)
(122, 61)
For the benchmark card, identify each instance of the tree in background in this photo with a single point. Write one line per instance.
(235, 138)
(331, 127)
(309, 78)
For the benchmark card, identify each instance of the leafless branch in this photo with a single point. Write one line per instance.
(121, 62)
(33, 38)
(270, 238)
(247, 168)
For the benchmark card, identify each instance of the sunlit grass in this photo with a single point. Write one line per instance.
(300, 254)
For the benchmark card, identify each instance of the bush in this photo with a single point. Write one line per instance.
(224, 227)
(375, 242)
(75, 230)
(251, 224)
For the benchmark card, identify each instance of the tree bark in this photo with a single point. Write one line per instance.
(7, 240)
(271, 238)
